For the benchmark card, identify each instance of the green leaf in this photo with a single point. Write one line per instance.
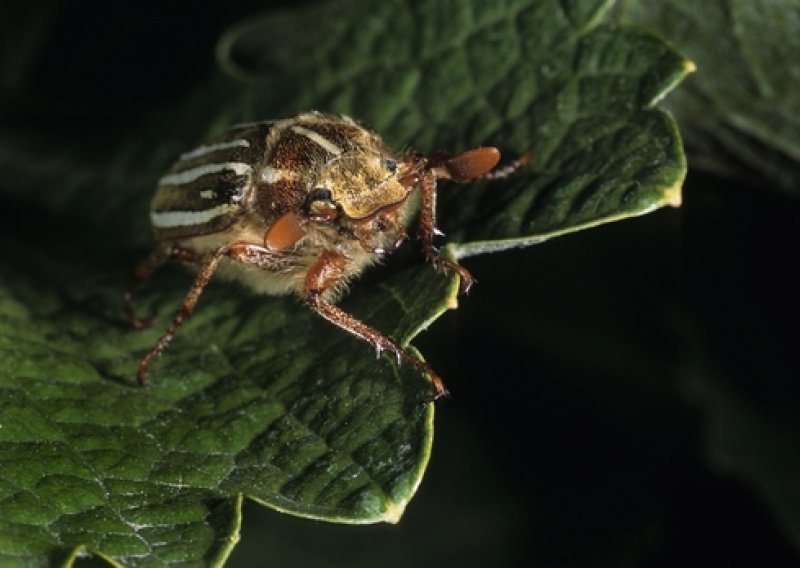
(739, 114)
(257, 397)
(577, 93)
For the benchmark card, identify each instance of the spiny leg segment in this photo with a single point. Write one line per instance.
(322, 276)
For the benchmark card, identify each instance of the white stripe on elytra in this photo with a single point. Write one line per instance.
(186, 176)
(172, 219)
(210, 148)
(319, 139)
(208, 194)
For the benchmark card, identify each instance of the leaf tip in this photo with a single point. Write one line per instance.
(673, 195)
(393, 512)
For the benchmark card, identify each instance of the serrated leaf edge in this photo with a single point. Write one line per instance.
(394, 509)
(671, 196)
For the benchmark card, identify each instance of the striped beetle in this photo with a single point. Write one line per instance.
(300, 205)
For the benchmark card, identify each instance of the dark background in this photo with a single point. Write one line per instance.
(625, 396)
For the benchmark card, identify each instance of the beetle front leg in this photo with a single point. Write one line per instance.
(428, 230)
(508, 169)
(323, 275)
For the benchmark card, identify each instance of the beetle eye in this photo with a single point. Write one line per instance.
(390, 164)
(319, 207)
(318, 194)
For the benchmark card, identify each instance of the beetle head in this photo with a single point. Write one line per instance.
(357, 185)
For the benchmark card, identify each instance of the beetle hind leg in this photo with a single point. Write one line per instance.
(141, 274)
(241, 251)
(144, 271)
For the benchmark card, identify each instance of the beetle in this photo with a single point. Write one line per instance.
(300, 205)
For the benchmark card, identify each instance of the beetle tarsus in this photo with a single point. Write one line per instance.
(466, 280)
(130, 312)
(141, 373)
(439, 390)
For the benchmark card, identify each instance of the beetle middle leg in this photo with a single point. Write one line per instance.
(242, 251)
(322, 277)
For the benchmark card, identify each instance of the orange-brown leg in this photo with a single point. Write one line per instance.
(144, 271)
(242, 251)
(428, 230)
(322, 276)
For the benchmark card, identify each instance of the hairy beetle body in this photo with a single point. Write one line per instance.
(300, 205)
